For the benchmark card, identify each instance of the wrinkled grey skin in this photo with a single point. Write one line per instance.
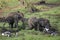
(14, 19)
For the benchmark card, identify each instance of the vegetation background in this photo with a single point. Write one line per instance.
(51, 12)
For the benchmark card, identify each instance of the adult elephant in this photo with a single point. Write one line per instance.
(13, 19)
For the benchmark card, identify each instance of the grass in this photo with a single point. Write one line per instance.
(25, 35)
(32, 34)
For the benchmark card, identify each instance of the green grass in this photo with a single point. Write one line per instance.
(48, 1)
(11, 2)
(32, 34)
